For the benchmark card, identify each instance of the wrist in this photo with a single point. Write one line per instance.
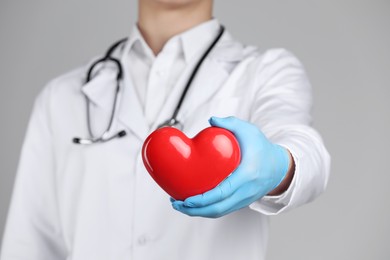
(288, 177)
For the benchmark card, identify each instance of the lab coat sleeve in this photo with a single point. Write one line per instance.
(281, 110)
(33, 230)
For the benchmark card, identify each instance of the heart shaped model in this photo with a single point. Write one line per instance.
(185, 167)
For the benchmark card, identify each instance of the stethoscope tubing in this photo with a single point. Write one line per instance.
(173, 122)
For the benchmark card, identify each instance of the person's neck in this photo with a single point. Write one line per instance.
(158, 22)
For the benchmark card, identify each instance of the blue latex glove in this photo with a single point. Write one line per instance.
(262, 168)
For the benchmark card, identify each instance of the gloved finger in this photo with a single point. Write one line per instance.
(177, 203)
(224, 190)
(172, 199)
(219, 209)
(230, 123)
(241, 129)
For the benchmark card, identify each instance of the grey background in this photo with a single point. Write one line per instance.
(344, 46)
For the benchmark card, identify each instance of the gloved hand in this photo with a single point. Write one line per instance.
(262, 168)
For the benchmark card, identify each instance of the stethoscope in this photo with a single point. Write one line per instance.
(173, 121)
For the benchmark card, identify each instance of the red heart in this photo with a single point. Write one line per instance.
(184, 167)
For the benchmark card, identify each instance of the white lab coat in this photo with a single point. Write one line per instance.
(97, 202)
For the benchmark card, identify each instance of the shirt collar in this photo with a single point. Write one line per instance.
(190, 42)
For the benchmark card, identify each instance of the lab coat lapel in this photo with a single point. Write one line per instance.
(205, 84)
(130, 109)
(212, 74)
(101, 90)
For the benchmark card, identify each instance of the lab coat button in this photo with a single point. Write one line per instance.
(143, 240)
(160, 73)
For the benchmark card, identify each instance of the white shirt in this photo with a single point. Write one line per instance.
(158, 74)
(98, 202)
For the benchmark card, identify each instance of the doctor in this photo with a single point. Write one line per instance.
(97, 201)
